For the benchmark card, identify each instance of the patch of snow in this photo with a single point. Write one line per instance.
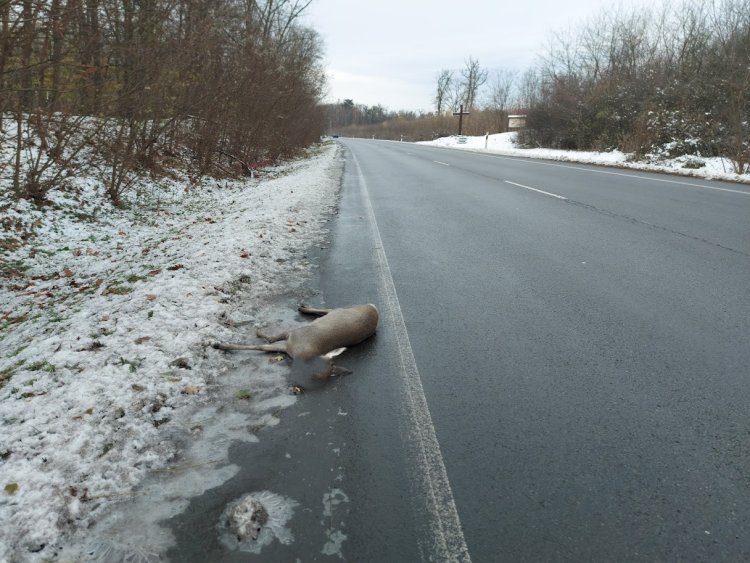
(335, 536)
(336, 539)
(504, 144)
(106, 321)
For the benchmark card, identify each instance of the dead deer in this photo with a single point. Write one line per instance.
(323, 339)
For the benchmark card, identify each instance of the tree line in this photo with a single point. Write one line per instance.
(661, 81)
(418, 126)
(228, 83)
(665, 81)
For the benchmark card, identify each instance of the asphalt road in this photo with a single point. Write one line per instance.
(586, 361)
(562, 372)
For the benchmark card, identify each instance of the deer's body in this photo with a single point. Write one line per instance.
(325, 337)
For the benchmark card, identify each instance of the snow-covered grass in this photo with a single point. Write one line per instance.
(504, 144)
(106, 321)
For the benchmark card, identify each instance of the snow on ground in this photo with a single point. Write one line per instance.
(504, 144)
(106, 321)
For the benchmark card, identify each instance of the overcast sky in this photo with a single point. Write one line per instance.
(389, 52)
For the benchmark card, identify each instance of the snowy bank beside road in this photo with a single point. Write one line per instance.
(106, 317)
(504, 144)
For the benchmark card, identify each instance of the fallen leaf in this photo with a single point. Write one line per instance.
(121, 233)
(142, 339)
(150, 296)
(11, 488)
(98, 282)
(175, 267)
(191, 390)
(180, 363)
(155, 272)
(244, 253)
(67, 272)
(136, 387)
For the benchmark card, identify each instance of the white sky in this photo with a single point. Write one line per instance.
(389, 52)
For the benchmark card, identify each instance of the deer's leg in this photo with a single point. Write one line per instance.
(340, 370)
(272, 337)
(331, 370)
(313, 310)
(279, 347)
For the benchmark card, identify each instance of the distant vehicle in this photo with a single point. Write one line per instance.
(335, 136)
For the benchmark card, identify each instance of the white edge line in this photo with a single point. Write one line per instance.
(536, 190)
(448, 542)
(633, 174)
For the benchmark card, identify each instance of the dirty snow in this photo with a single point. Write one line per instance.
(106, 320)
(504, 144)
(280, 510)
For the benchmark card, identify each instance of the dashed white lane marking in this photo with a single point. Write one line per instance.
(633, 175)
(535, 190)
(439, 162)
(446, 541)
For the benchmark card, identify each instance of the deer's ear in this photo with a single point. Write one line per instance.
(333, 353)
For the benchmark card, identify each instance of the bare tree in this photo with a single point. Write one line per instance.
(456, 95)
(499, 97)
(474, 76)
(444, 80)
(731, 53)
(529, 87)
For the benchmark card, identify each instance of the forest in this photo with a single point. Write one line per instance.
(666, 80)
(224, 86)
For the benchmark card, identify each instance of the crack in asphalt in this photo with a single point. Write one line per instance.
(654, 226)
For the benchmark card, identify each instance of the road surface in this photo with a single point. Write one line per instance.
(562, 372)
